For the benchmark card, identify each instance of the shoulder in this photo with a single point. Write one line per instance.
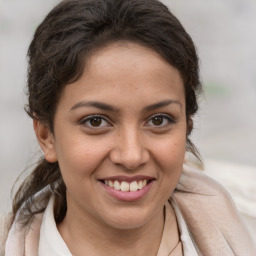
(195, 181)
(203, 201)
(211, 215)
(198, 189)
(5, 223)
(197, 186)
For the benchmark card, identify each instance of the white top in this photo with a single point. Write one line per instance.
(189, 248)
(52, 244)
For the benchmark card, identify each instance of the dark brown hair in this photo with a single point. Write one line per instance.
(57, 55)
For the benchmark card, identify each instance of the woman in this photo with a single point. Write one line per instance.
(112, 89)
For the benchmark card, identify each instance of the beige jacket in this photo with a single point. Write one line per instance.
(212, 219)
(4, 228)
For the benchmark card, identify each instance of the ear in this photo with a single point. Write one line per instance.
(190, 125)
(46, 140)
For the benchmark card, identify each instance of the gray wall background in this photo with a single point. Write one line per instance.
(224, 33)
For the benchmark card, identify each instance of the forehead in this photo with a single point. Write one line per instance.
(132, 57)
(127, 70)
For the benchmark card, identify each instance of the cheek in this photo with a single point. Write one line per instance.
(80, 156)
(172, 148)
(170, 155)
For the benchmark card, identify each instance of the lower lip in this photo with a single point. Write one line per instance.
(128, 196)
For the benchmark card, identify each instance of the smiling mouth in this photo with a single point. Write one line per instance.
(125, 186)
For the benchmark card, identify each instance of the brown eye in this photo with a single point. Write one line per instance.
(160, 121)
(157, 120)
(95, 121)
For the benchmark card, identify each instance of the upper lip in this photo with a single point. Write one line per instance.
(129, 178)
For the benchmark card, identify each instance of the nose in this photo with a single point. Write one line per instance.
(129, 149)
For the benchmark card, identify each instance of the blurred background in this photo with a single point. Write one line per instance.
(224, 34)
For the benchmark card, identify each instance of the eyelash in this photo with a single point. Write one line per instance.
(90, 118)
(101, 118)
(166, 117)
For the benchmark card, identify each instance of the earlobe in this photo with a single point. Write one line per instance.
(45, 139)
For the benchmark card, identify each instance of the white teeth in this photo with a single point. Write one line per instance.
(110, 183)
(116, 185)
(125, 186)
(134, 186)
(140, 185)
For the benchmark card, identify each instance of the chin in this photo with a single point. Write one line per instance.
(127, 224)
(128, 219)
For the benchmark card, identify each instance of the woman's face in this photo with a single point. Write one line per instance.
(122, 124)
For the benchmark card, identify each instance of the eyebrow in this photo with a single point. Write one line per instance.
(95, 104)
(161, 104)
(107, 107)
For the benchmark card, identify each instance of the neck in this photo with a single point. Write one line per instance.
(79, 234)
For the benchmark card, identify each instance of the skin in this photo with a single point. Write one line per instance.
(129, 78)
